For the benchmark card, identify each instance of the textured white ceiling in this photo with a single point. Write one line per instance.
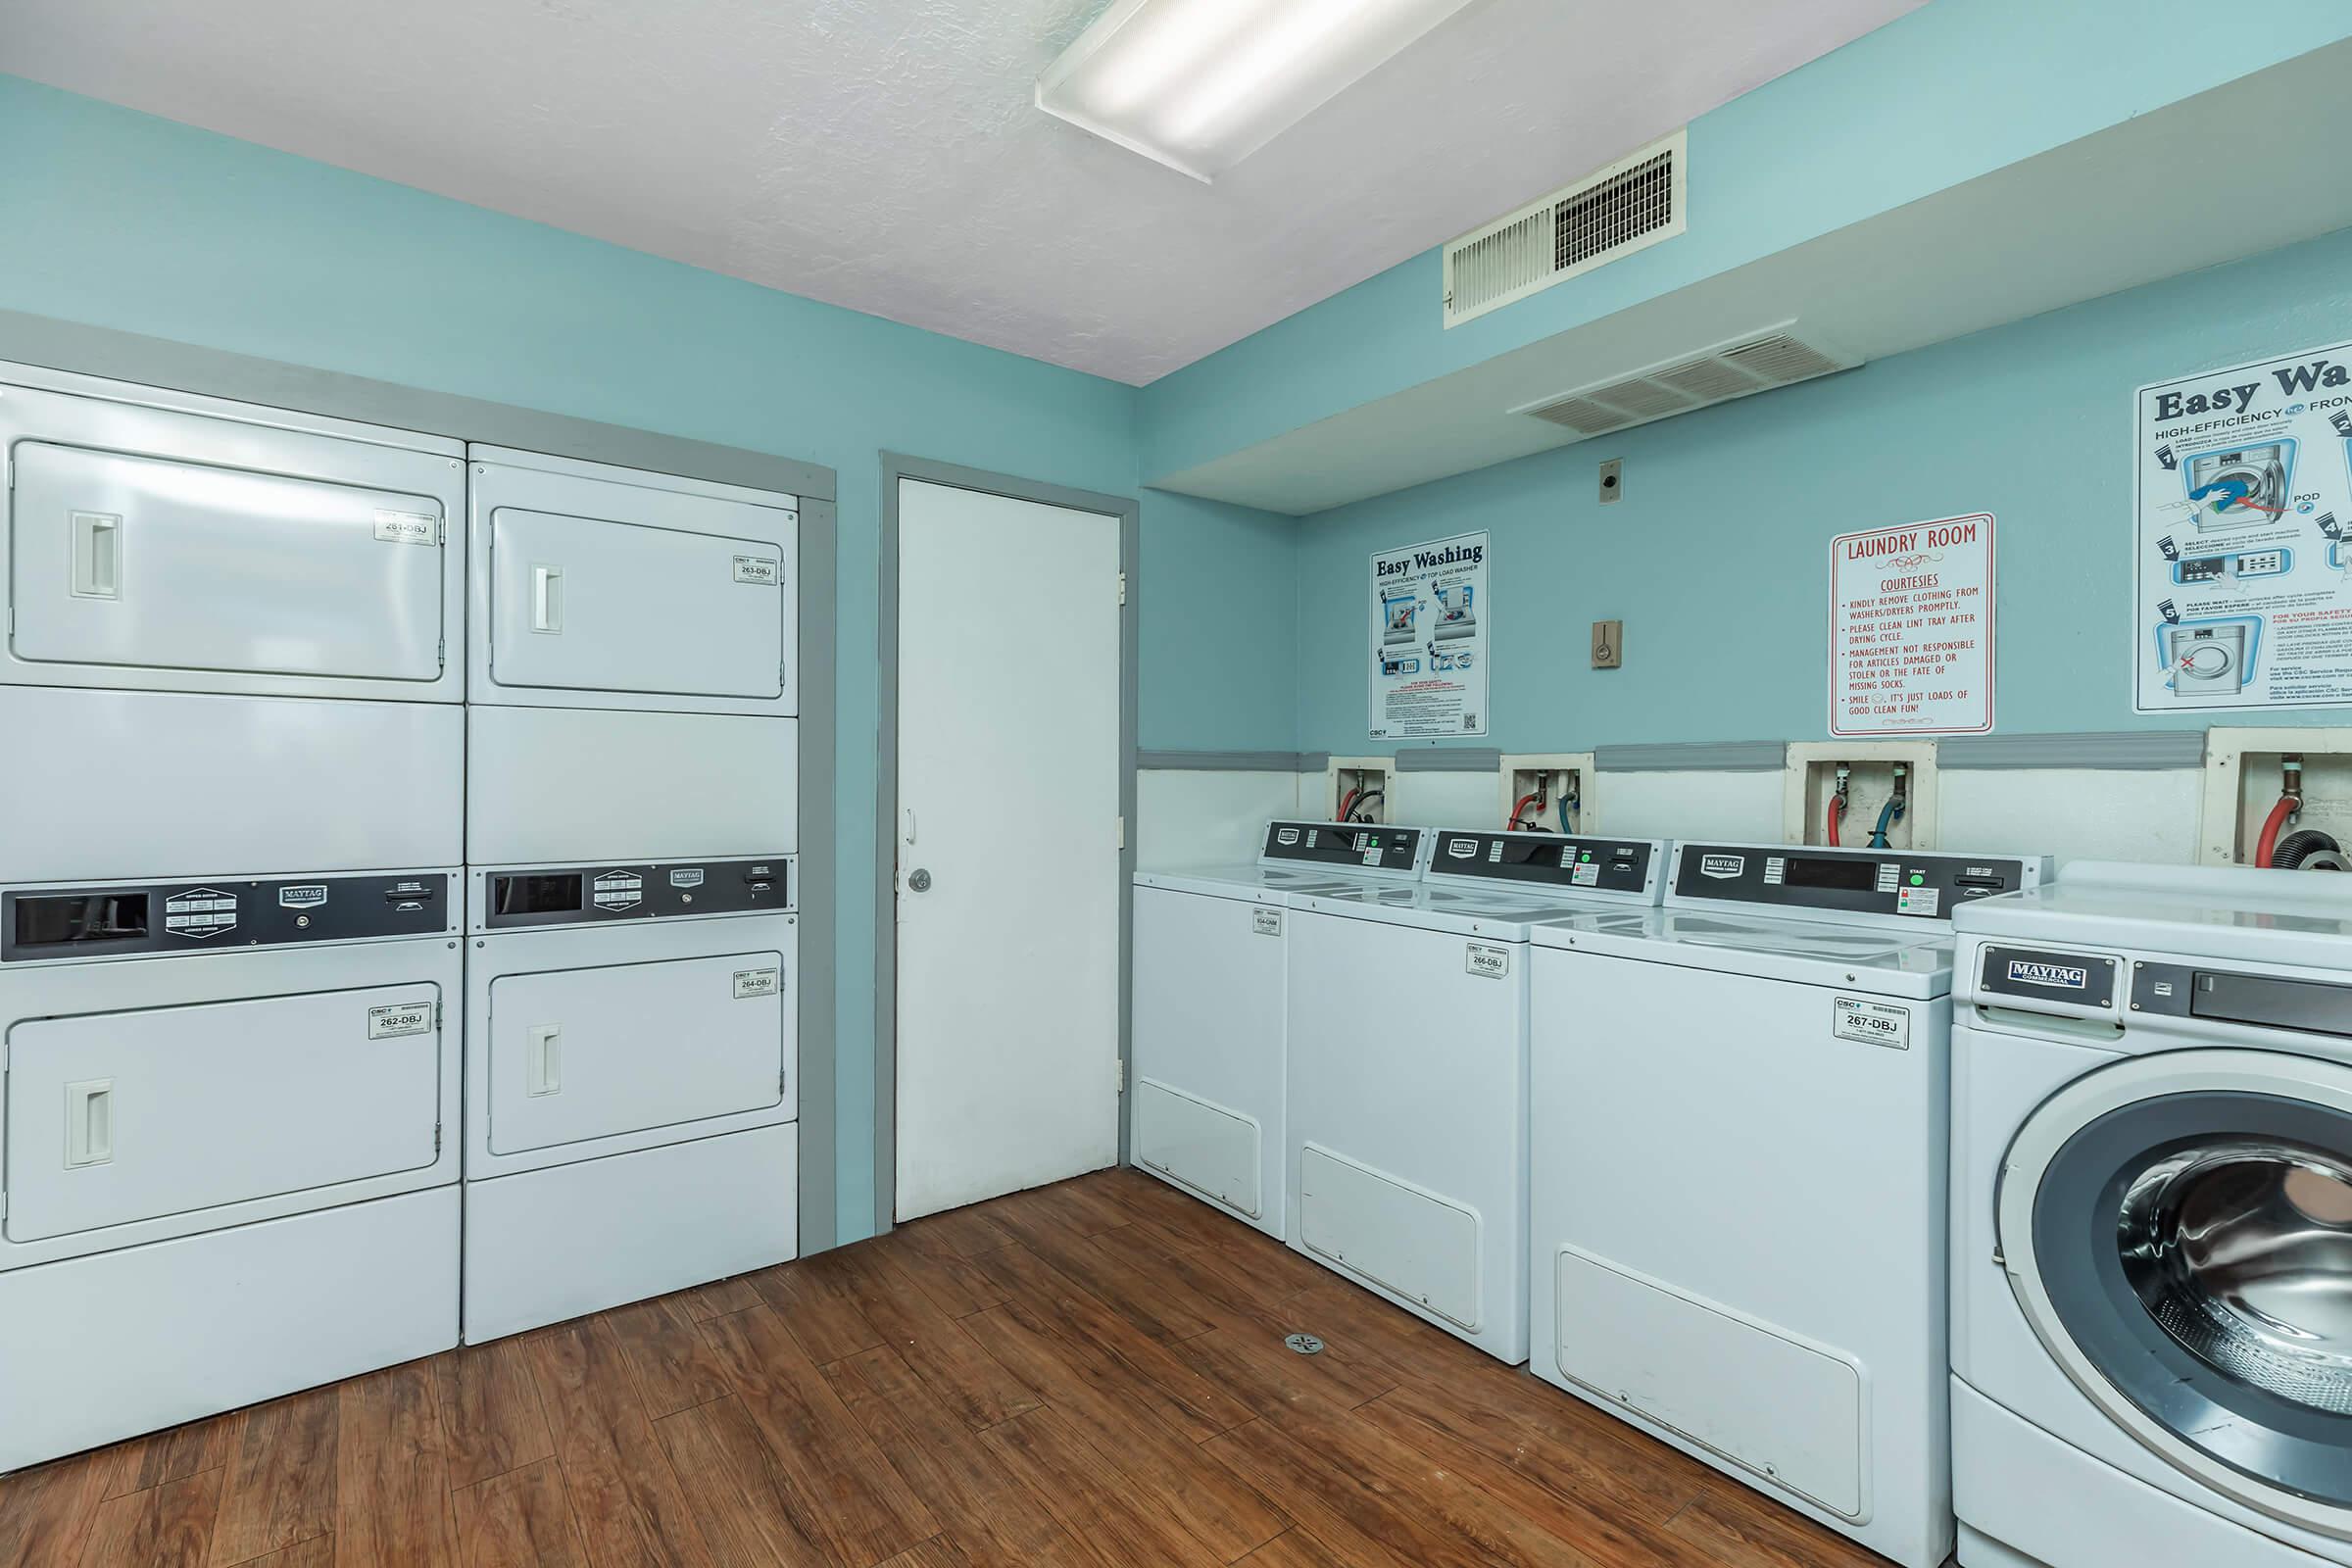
(885, 155)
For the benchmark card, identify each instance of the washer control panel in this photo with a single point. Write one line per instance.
(1357, 846)
(136, 918)
(581, 895)
(1900, 884)
(1548, 861)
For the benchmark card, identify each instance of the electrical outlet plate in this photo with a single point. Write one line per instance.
(1811, 778)
(2243, 784)
(1612, 480)
(1520, 775)
(1345, 774)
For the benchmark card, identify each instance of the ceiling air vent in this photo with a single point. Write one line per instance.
(1635, 201)
(1756, 362)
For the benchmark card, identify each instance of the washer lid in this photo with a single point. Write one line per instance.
(1887, 962)
(1252, 883)
(2269, 918)
(1401, 905)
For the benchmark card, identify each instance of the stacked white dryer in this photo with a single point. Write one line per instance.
(631, 823)
(229, 823)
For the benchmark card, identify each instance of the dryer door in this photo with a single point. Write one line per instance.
(587, 604)
(2178, 1229)
(583, 1053)
(148, 564)
(115, 1117)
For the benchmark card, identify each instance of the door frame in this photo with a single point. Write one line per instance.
(896, 466)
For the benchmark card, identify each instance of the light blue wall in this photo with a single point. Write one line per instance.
(1219, 635)
(128, 221)
(1947, 93)
(1717, 557)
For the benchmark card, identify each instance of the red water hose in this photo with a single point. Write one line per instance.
(1519, 810)
(1835, 814)
(2268, 844)
(1347, 801)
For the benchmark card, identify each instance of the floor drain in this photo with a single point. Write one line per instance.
(1304, 1344)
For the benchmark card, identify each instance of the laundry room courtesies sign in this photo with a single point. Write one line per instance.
(1429, 639)
(2242, 539)
(1911, 629)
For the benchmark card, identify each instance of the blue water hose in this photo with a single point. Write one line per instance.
(1888, 814)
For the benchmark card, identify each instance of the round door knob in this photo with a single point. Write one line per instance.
(918, 880)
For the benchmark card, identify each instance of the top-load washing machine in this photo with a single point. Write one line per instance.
(631, 822)
(1407, 1081)
(230, 953)
(2151, 1238)
(1210, 989)
(1738, 1113)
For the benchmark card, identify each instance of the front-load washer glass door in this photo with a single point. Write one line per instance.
(2178, 1229)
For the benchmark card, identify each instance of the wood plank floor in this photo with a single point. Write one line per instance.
(1091, 1374)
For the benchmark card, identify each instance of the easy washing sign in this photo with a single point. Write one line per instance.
(1430, 619)
(2242, 541)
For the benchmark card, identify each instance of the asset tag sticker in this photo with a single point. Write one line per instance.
(1874, 1023)
(408, 528)
(1487, 962)
(757, 983)
(401, 1018)
(1265, 922)
(757, 569)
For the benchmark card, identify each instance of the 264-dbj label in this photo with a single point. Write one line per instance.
(1874, 1023)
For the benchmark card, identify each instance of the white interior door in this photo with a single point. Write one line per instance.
(1007, 845)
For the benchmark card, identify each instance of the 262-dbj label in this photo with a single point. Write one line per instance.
(1874, 1023)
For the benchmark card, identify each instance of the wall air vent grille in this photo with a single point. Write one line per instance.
(1634, 202)
(1748, 364)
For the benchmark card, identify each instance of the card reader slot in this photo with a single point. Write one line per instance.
(2306, 1007)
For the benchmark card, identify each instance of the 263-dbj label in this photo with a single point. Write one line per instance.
(1874, 1023)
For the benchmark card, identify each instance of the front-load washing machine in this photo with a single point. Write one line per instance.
(1409, 1015)
(1737, 1113)
(2152, 1223)
(224, 1172)
(631, 1080)
(1210, 992)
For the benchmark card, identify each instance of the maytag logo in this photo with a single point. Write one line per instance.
(1288, 835)
(2064, 975)
(1462, 849)
(309, 895)
(1722, 868)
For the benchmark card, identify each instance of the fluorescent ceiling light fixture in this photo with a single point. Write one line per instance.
(1201, 84)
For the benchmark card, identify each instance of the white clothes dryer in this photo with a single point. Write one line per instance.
(1738, 1113)
(1408, 1017)
(1210, 992)
(2152, 1223)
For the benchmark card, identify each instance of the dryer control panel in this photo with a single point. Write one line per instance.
(1840, 884)
(118, 919)
(1548, 861)
(1360, 847)
(582, 895)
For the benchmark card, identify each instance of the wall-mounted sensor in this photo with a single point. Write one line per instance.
(1612, 480)
(1608, 644)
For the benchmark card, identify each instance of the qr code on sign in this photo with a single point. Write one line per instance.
(1469, 721)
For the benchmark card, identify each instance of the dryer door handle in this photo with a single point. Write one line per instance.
(89, 1122)
(543, 1060)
